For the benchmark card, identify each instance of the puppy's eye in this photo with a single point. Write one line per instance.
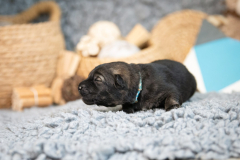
(98, 79)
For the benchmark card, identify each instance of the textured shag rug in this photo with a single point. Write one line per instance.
(205, 127)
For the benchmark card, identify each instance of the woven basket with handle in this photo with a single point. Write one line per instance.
(172, 38)
(29, 52)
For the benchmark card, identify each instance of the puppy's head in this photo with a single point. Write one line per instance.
(108, 85)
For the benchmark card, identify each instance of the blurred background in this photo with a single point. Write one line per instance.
(79, 15)
(48, 47)
(44, 57)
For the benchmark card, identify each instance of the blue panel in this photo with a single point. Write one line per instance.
(219, 62)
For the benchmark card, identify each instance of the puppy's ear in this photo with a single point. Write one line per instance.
(119, 82)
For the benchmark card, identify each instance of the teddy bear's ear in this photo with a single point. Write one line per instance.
(119, 82)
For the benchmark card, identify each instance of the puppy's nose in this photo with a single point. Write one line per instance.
(81, 86)
(83, 89)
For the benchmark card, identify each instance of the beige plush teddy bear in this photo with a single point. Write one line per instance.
(100, 34)
(88, 46)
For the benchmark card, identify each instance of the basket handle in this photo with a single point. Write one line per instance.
(33, 12)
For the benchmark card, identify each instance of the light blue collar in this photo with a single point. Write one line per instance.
(139, 88)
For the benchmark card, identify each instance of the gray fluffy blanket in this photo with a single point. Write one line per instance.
(206, 127)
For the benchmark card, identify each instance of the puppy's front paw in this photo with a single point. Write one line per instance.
(128, 110)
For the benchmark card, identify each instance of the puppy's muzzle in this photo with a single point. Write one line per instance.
(83, 90)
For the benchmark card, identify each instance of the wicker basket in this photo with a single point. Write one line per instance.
(172, 38)
(29, 52)
(177, 33)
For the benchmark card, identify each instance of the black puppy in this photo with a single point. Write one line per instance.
(160, 84)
